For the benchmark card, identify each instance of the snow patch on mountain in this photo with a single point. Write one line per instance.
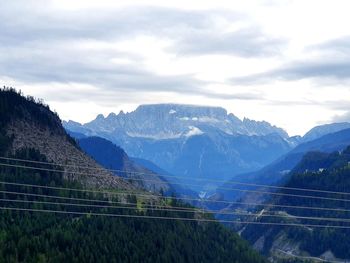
(158, 136)
(162, 121)
(193, 131)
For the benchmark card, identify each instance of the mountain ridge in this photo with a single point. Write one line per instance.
(321, 130)
(176, 120)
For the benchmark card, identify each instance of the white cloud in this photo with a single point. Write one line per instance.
(110, 55)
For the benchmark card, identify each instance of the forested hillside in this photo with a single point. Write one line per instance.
(322, 171)
(44, 237)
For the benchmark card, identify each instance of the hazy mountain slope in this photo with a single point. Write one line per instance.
(322, 171)
(216, 156)
(151, 166)
(76, 135)
(328, 143)
(325, 129)
(113, 157)
(105, 152)
(192, 141)
(174, 182)
(277, 172)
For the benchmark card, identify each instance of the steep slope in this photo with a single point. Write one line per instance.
(30, 124)
(191, 141)
(322, 171)
(325, 129)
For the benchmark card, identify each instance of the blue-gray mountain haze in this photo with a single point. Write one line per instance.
(198, 142)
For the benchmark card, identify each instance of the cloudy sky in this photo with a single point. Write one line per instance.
(283, 61)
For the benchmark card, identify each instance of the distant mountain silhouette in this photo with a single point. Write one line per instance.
(325, 129)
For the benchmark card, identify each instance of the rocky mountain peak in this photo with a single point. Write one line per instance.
(164, 121)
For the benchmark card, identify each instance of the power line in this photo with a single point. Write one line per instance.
(149, 206)
(153, 208)
(97, 200)
(174, 218)
(92, 206)
(143, 195)
(229, 189)
(331, 219)
(181, 177)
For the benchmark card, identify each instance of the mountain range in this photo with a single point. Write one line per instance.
(201, 142)
(59, 205)
(169, 121)
(196, 142)
(208, 136)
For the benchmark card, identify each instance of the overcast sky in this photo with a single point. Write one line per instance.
(283, 61)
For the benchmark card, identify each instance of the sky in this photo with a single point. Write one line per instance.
(283, 61)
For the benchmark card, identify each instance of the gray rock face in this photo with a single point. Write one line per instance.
(167, 121)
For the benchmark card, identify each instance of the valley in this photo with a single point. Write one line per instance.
(170, 131)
